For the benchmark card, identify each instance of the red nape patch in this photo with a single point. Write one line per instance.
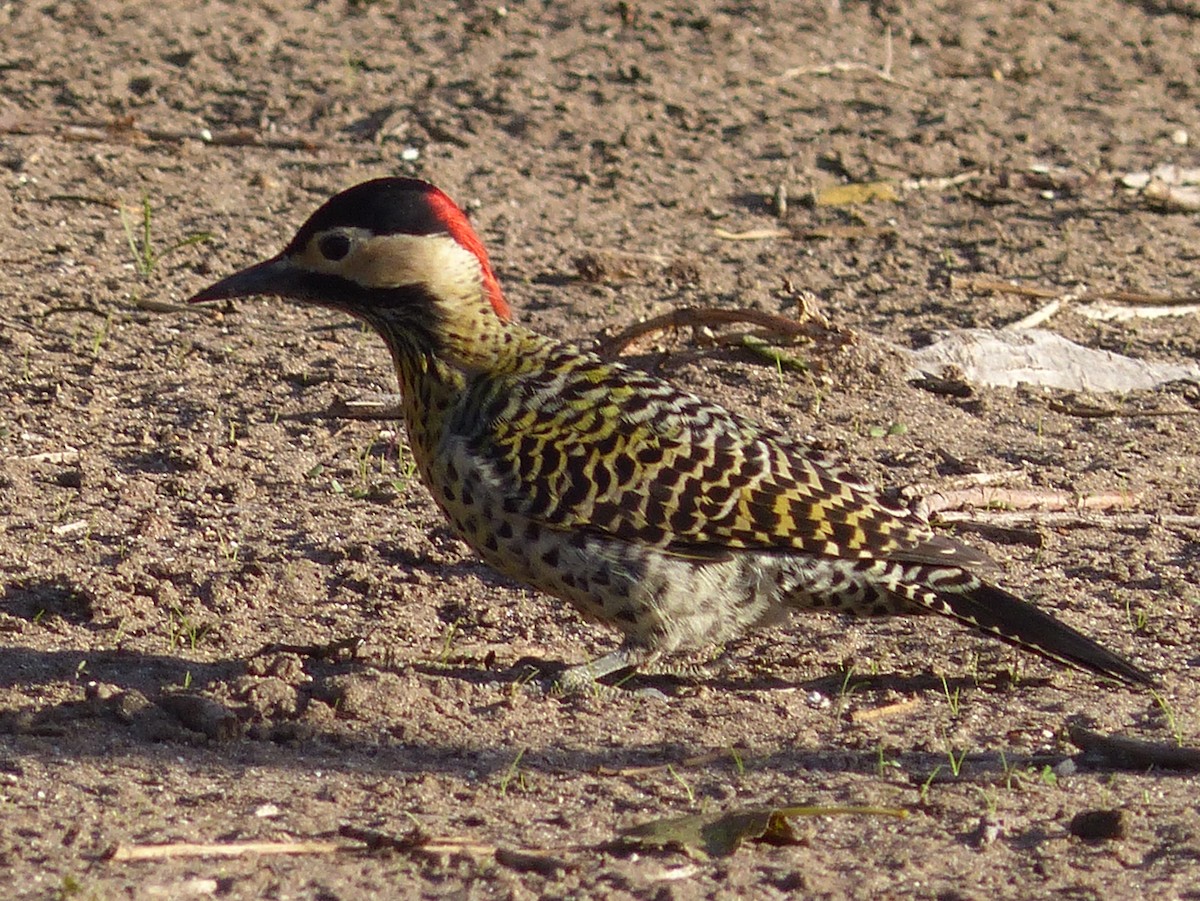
(460, 230)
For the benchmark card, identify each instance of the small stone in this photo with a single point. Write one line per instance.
(100, 691)
(816, 700)
(1098, 825)
(989, 829)
(202, 714)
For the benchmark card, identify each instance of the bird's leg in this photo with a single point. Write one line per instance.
(645, 662)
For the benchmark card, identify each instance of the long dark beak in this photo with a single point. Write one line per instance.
(277, 277)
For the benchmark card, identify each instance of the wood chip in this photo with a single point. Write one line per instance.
(754, 234)
(872, 714)
(68, 527)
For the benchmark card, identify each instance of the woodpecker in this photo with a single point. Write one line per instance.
(672, 520)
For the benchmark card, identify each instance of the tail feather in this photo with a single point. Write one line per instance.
(880, 587)
(997, 612)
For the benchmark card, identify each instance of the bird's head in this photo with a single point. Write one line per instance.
(395, 252)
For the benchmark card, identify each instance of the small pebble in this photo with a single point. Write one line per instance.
(816, 700)
(989, 829)
(779, 201)
(1098, 825)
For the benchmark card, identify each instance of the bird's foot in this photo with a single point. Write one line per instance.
(606, 675)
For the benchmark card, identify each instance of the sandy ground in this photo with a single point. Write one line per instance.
(185, 519)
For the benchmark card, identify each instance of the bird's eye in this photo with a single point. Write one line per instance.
(333, 247)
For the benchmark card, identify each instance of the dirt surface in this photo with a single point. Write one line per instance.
(176, 494)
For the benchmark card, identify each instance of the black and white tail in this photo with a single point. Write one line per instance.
(994, 611)
(886, 587)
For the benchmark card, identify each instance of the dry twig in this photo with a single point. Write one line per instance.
(754, 234)
(383, 406)
(223, 849)
(883, 73)
(1103, 305)
(1067, 519)
(68, 455)
(417, 842)
(828, 232)
(698, 760)
(1134, 753)
(704, 317)
(1023, 499)
(126, 129)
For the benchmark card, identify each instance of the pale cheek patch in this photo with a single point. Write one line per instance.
(448, 270)
(436, 261)
(393, 261)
